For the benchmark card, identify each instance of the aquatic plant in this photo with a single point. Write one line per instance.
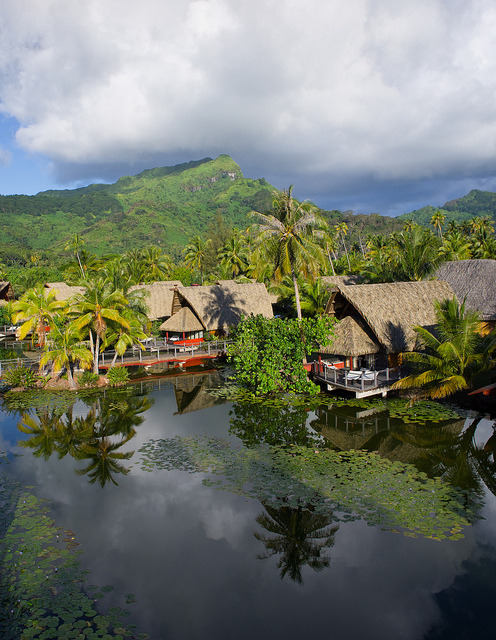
(351, 484)
(44, 589)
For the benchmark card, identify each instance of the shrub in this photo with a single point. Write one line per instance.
(88, 378)
(117, 376)
(20, 376)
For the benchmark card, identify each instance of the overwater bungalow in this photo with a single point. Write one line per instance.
(216, 308)
(475, 282)
(376, 324)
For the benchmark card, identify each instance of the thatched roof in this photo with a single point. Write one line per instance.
(6, 290)
(159, 297)
(63, 291)
(474, 281)
(182, 321)
(391, 310)
(341, 280)
(221, 306)
(350, 339)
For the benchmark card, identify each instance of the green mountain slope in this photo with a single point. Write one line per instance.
(162, 206)
(474, 204)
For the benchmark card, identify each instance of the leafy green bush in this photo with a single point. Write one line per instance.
(117, 376)
(268, 353)
(20, 376)
(88, 378)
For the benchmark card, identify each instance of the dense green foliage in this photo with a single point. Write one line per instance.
(20, 376)
(117, 376)
(268, 354)
(453, 357)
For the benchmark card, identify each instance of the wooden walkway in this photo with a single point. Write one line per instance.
(156, 352)
(362, 383)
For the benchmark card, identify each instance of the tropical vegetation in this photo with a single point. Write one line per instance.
(454, 356)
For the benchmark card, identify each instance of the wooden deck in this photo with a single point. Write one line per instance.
(362, 383)
(155, 352)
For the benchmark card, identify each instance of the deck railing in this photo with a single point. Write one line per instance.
(153, 350)
(355, 379)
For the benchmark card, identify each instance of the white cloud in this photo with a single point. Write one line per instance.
(381, 89)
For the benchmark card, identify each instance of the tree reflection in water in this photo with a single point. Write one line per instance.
(95, 438)
(261, 423)
(448, 450)
(299, 538)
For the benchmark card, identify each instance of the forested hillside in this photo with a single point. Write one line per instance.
(167, 206)
(474, 204)
(163, 207)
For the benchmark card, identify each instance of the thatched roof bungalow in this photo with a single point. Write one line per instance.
(64, 291)
(158, 297)
(217, 307)
(379, 318)
(475, 282)
(6, 292)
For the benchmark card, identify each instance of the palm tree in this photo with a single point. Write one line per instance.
(94, 309)
(65, 348)
(452, 361)
(234, 254)
(155, 264)
(122, 337)
(74, 244)
(455, 246)
(416, 253)
(291, 237)
(314, 298)
(195, 254)
(437, 221)
(36, 309)
(341, 231)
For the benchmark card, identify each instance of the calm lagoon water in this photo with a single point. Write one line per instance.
(190, 561)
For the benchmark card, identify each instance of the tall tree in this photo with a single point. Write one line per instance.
(437, 221)
(37, 310)
(74, 244)
(94, 309)
(195, 254)
(291, 238)
(64, 349)
(234, 255)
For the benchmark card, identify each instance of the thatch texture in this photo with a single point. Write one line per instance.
(6, 291)
(391, 310)
(159, 297)
(182, 321)
(341, 280)
(474, 281)
(63, 291)
(219, 307)
(351, 340)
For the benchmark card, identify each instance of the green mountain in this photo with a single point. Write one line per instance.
(165, 206)
(474, 204)
(162, 206)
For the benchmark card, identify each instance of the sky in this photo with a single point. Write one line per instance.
(371, 105)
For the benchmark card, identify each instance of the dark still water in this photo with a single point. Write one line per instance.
(198, 518)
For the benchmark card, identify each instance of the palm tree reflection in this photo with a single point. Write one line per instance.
(300, 537)
(95, 438)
